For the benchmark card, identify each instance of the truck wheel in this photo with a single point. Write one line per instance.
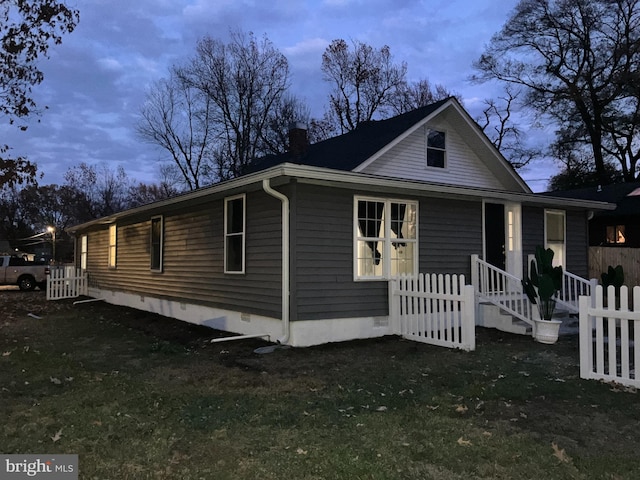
(26, 283)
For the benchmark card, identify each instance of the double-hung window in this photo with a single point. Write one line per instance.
(385, 238)
(234, 238)
(156, 243)
(112, 246)
(436, 148)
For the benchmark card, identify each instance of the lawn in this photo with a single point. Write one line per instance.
(138, 396)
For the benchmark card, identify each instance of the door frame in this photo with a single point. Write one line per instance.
(512, 235)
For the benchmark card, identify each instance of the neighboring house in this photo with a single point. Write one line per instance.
(614, 235)
(302, 247)
(612, 228)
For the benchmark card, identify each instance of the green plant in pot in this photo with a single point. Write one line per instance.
(541, 287)
(543, 283)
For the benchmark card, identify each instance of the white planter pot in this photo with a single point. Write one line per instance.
(546, 331)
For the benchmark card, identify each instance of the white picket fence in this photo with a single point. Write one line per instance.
(610, 337)
(66, 282)
(434, 309)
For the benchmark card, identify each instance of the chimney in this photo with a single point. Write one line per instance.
(298, 141)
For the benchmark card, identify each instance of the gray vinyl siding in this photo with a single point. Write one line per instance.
(193, 258)
(450, 232)
(532, 232)
(577, 243)
(323, 263)
(576, 237)
(322, 250)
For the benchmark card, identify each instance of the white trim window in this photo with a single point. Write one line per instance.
(555, 229)
(234, 233)
(156, 243)
(436, 148)
(385, 238)
(84, 243)
(112, 246)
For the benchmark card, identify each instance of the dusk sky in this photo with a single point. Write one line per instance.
(95, 81)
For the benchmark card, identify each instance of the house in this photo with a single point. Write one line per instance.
(302, 247)
(614, 235)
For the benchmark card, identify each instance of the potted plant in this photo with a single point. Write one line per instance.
(541, 287)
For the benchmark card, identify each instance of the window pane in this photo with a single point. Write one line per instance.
(620, 238)
(370, 219)
(402, 258)
(435, 158)
(235, 215)
(368, 264)
(435, 139)
(555, 227)
(156, 243)
(234, 253)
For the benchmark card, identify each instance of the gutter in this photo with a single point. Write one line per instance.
(286, 280)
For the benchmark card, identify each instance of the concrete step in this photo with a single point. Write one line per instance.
(491, 316)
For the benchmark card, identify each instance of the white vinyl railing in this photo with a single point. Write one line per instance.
(66, 282)
(434, 309)
(500, 288)
(610, 336)
(573, 287)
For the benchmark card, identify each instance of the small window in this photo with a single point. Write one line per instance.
(234, 238)
(83, 252)
(436, 148)
(112, 246)
(156, 245)
(615, 234)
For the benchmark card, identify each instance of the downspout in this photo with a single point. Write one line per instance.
(286, 330)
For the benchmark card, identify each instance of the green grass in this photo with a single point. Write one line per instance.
(137, 396)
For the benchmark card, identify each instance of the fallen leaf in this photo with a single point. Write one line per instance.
(97, 423)
(464, 443)
(461, 408)
(6, 354)
(57, 436)
(300, 451)
(487, 434)
(559, 453)
(55, 381)
(381, 408)
(432, 407)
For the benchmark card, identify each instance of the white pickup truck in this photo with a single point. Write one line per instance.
(23, 273)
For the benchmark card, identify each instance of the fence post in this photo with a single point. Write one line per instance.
(474, 272)
(585, 334)
(593, 283)
(468, 316)
(392, 306)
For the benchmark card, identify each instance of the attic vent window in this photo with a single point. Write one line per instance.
(436, 148)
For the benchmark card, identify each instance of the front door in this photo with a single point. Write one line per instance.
(494, 235)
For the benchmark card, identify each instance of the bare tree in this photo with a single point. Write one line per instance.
(244, 80)
(579, 63)
(287, 110)
(177, 117)
(504, 133)
(100, 190)
(364, 81)
(409, 96)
